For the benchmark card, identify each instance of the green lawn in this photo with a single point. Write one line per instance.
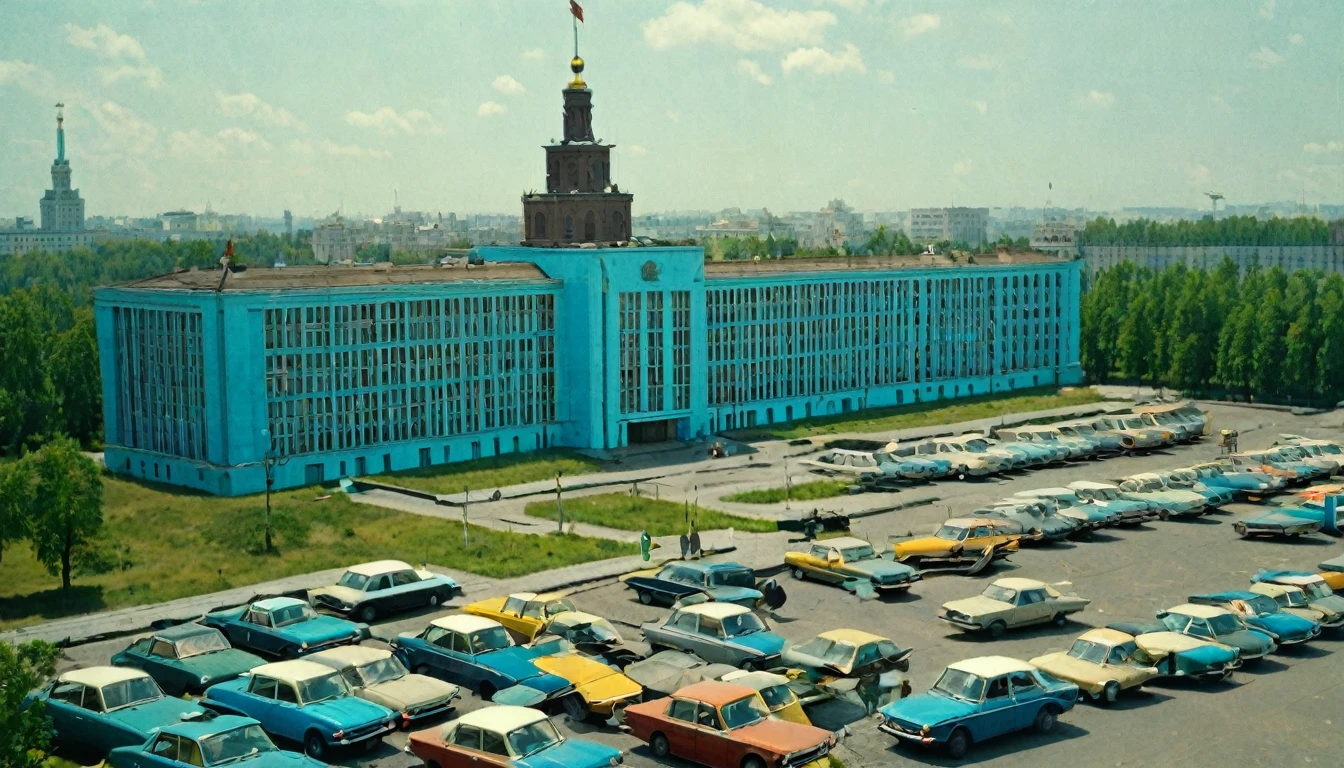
(494, 472)
(926, 414)
(635, 513)
(819, 489)
(172, 544)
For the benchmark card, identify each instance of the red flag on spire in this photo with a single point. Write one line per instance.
(576, 9)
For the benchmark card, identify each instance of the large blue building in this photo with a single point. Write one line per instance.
(575, 338)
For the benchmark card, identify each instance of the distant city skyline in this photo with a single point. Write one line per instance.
(258, 107)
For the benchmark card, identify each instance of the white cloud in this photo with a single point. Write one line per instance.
(855, 182)
(1296, 39)
(979, 106)
(329, 147)
(819, 61)
(637, 150)
(674, 115)
(753, 70)
(920, 23)
(886, 76)
(1317, 148)
(1221, 103)
(963, 166)
(389, 121)
(252, 105)
(1099, 98)
(1265, 57)
(533, 53)
(978, 62)
(105, 41)
(1267, 10)
(150, 74)
(746, 25)
(229, 142)
(849, 5)
(25, 75)
(1199, 176)
(507, 85)
(301, 147)
(490, 108)
(128, 130)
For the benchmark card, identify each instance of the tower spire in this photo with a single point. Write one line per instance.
(60, 132)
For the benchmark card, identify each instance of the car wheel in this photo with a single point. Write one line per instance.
(315, 746)
(798, 574)
(367, 614)
(1046, 719)
(645, 598)
(1240, 529)
(958, 743)
(1110, 693)
(997, 629)
(433, 599)
(486, 692)
(753, 761)
(961, 473)
(1059, 620)
(660, 745)
(748, 665)
(576, 708)
(421, 669)
(1163, 515)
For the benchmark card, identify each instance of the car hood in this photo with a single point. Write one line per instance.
(1248, 640)
(781, 736)
(322, 629)
(512, 662)
(222, 665)
(977, 606)
(1210, 654)
(1065, 666)
(879, 567)
(764, 643)
(1332, 604)
(925, 545)
(575, 668)
(409, 692)
(928, 709)
(734, 594)
(343, 594)
(145, 717)
(348, 712)
(277, 759)
(1283, 624)
(572, 753)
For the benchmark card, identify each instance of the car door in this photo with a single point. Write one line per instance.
(710, 643)
(1028, 698)
(65, 707)
(1032, 607)
(407, 595)
(259, 702)
(162, 665)
(259, 634)
(680, 630)
(162, 753)
(680, 729)
(376, 593)
(463, 666)
(997, 715)
(713, 744)
(467, 751)
(287, 714)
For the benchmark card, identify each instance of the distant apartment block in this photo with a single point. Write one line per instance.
(930, 225)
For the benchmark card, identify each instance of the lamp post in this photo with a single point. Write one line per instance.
(270, 460)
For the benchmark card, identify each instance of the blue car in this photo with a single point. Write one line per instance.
(306, 703)
(1243, 484)
(478, 653)
(210, 741)
(187, 658)
(98, 709)
(976, 700)
(1262, 613)
(284, 627)
(1188, 479)
(1218, 625)
(724, 582)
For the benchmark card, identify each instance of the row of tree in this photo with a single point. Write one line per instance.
(1230, 230)
(1265, 334)
(53, 497)
(881, 242)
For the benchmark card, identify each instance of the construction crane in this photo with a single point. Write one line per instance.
(1214, 197)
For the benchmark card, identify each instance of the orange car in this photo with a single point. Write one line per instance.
(725, 725)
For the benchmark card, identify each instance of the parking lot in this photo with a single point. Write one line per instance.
(1283, 710)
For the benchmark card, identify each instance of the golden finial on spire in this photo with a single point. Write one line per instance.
(576, 66)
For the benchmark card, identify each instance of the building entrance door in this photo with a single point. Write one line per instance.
(659, 431)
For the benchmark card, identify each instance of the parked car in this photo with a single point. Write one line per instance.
(384, 588)
(599, 689)
(1291, 599)
(666, 672)
(1189, 480)
(1179, 655)
(1074, 448)
(1327, 465)
(1010, 603)
(1150, 488)
(856, 465)
(1035, 519)
(478, 654)
(1275, 523)
(1186, 421)
(519, 737)
(186, 658)
(305, 702)
(964, 461)
(1106, 441)
(978, 442)
(976, 700)
(1318, 593)
(907, 465)
(1264, 464)
(774, 689)
(1068, 503)
(1102, 663)
(723, 725)
(1219, 625)
(847, 653)
(374, 674)
(1332, 572)
(720, 632)
(595, 636)
(1108, 496)
(1135, 435)
(724, 582)
(1246, 485)
(1262, 613)
(960, 540)
(853, 564)
(97, 709)
(524, 614)
(284, 627)
(215, 741)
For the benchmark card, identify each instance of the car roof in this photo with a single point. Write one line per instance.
(464, 623)
(844, 542)
(1198, 611)
(758, 680)
(179, 631)
(1296, 578)
(1093, 485)
(1145, 476)
(720, 566)
(1277, 589)
(1106, 636)
(206, 727)
(97, 677)
(971, 522)
(1047, 492)
(292, 671)
(1018, 583)
(1236, 594)
(379, 567)
(502, 718)
(529, 597)
(851, 636)
(350, 655)
(571, 618)
(716, 610)
(991, 666)
(714, 692)
(271, 603)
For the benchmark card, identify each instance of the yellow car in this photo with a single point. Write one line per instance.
(602, 690)
(775, 692)
(524, 614)
(960, 540)
(1102, 663)
(851, 563)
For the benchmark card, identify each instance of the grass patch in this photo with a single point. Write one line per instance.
(635, 513)
(170, 544)
(494, 472)
(927, 414)
(819, 489)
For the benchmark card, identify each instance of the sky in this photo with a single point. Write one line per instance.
(316, 105)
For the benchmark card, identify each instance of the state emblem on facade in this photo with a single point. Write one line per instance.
(649, 271)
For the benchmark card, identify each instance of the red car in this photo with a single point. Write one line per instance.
(723, 725)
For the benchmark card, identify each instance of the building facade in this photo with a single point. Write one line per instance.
(1327, 258)
(966, 225)
(61, 209)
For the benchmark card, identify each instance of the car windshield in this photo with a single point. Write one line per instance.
(744, 711)
(382, 671)
(353, 580)
(951, 533)
(829, 651)
(236, 744)
(858, 553)
(1262, 605)
(1086, 650)
(129, 692)
(1002, 594)
(1133, 423)
(596, 631)
(1291, 599)
(960, 685)
(533, 738)
(206, 642)
(777, 696)
(491, 639)
(291, 614)
(1084, 429)
(736, 577)
(317, 689)
(976, 446)
(1224, 624)
(1316, 590)
(742, 624)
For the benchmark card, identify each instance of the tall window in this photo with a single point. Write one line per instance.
(539, 225)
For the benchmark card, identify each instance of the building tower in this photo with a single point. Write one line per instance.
(581, 203)
(62, 208)
(289, 224)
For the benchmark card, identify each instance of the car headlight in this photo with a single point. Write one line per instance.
(303, 646)
(1263, 486)
(618, 759)
(924, 731)
(205, 679)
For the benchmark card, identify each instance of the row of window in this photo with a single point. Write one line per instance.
(642, 351)
(160, 369)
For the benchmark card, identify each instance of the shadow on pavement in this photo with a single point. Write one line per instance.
(989, 750)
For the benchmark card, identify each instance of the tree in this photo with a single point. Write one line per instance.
(1330, 356)
(25, 732)
(74, 364)
(1268, 376)
(16, 482)
(23, 372)
(67, 508)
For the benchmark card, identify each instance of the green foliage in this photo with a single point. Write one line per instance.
(65, 509)
(820, 489)
(16, 492)
(636, 513)
(25, 732)
(1230, 230)
(30, 398)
